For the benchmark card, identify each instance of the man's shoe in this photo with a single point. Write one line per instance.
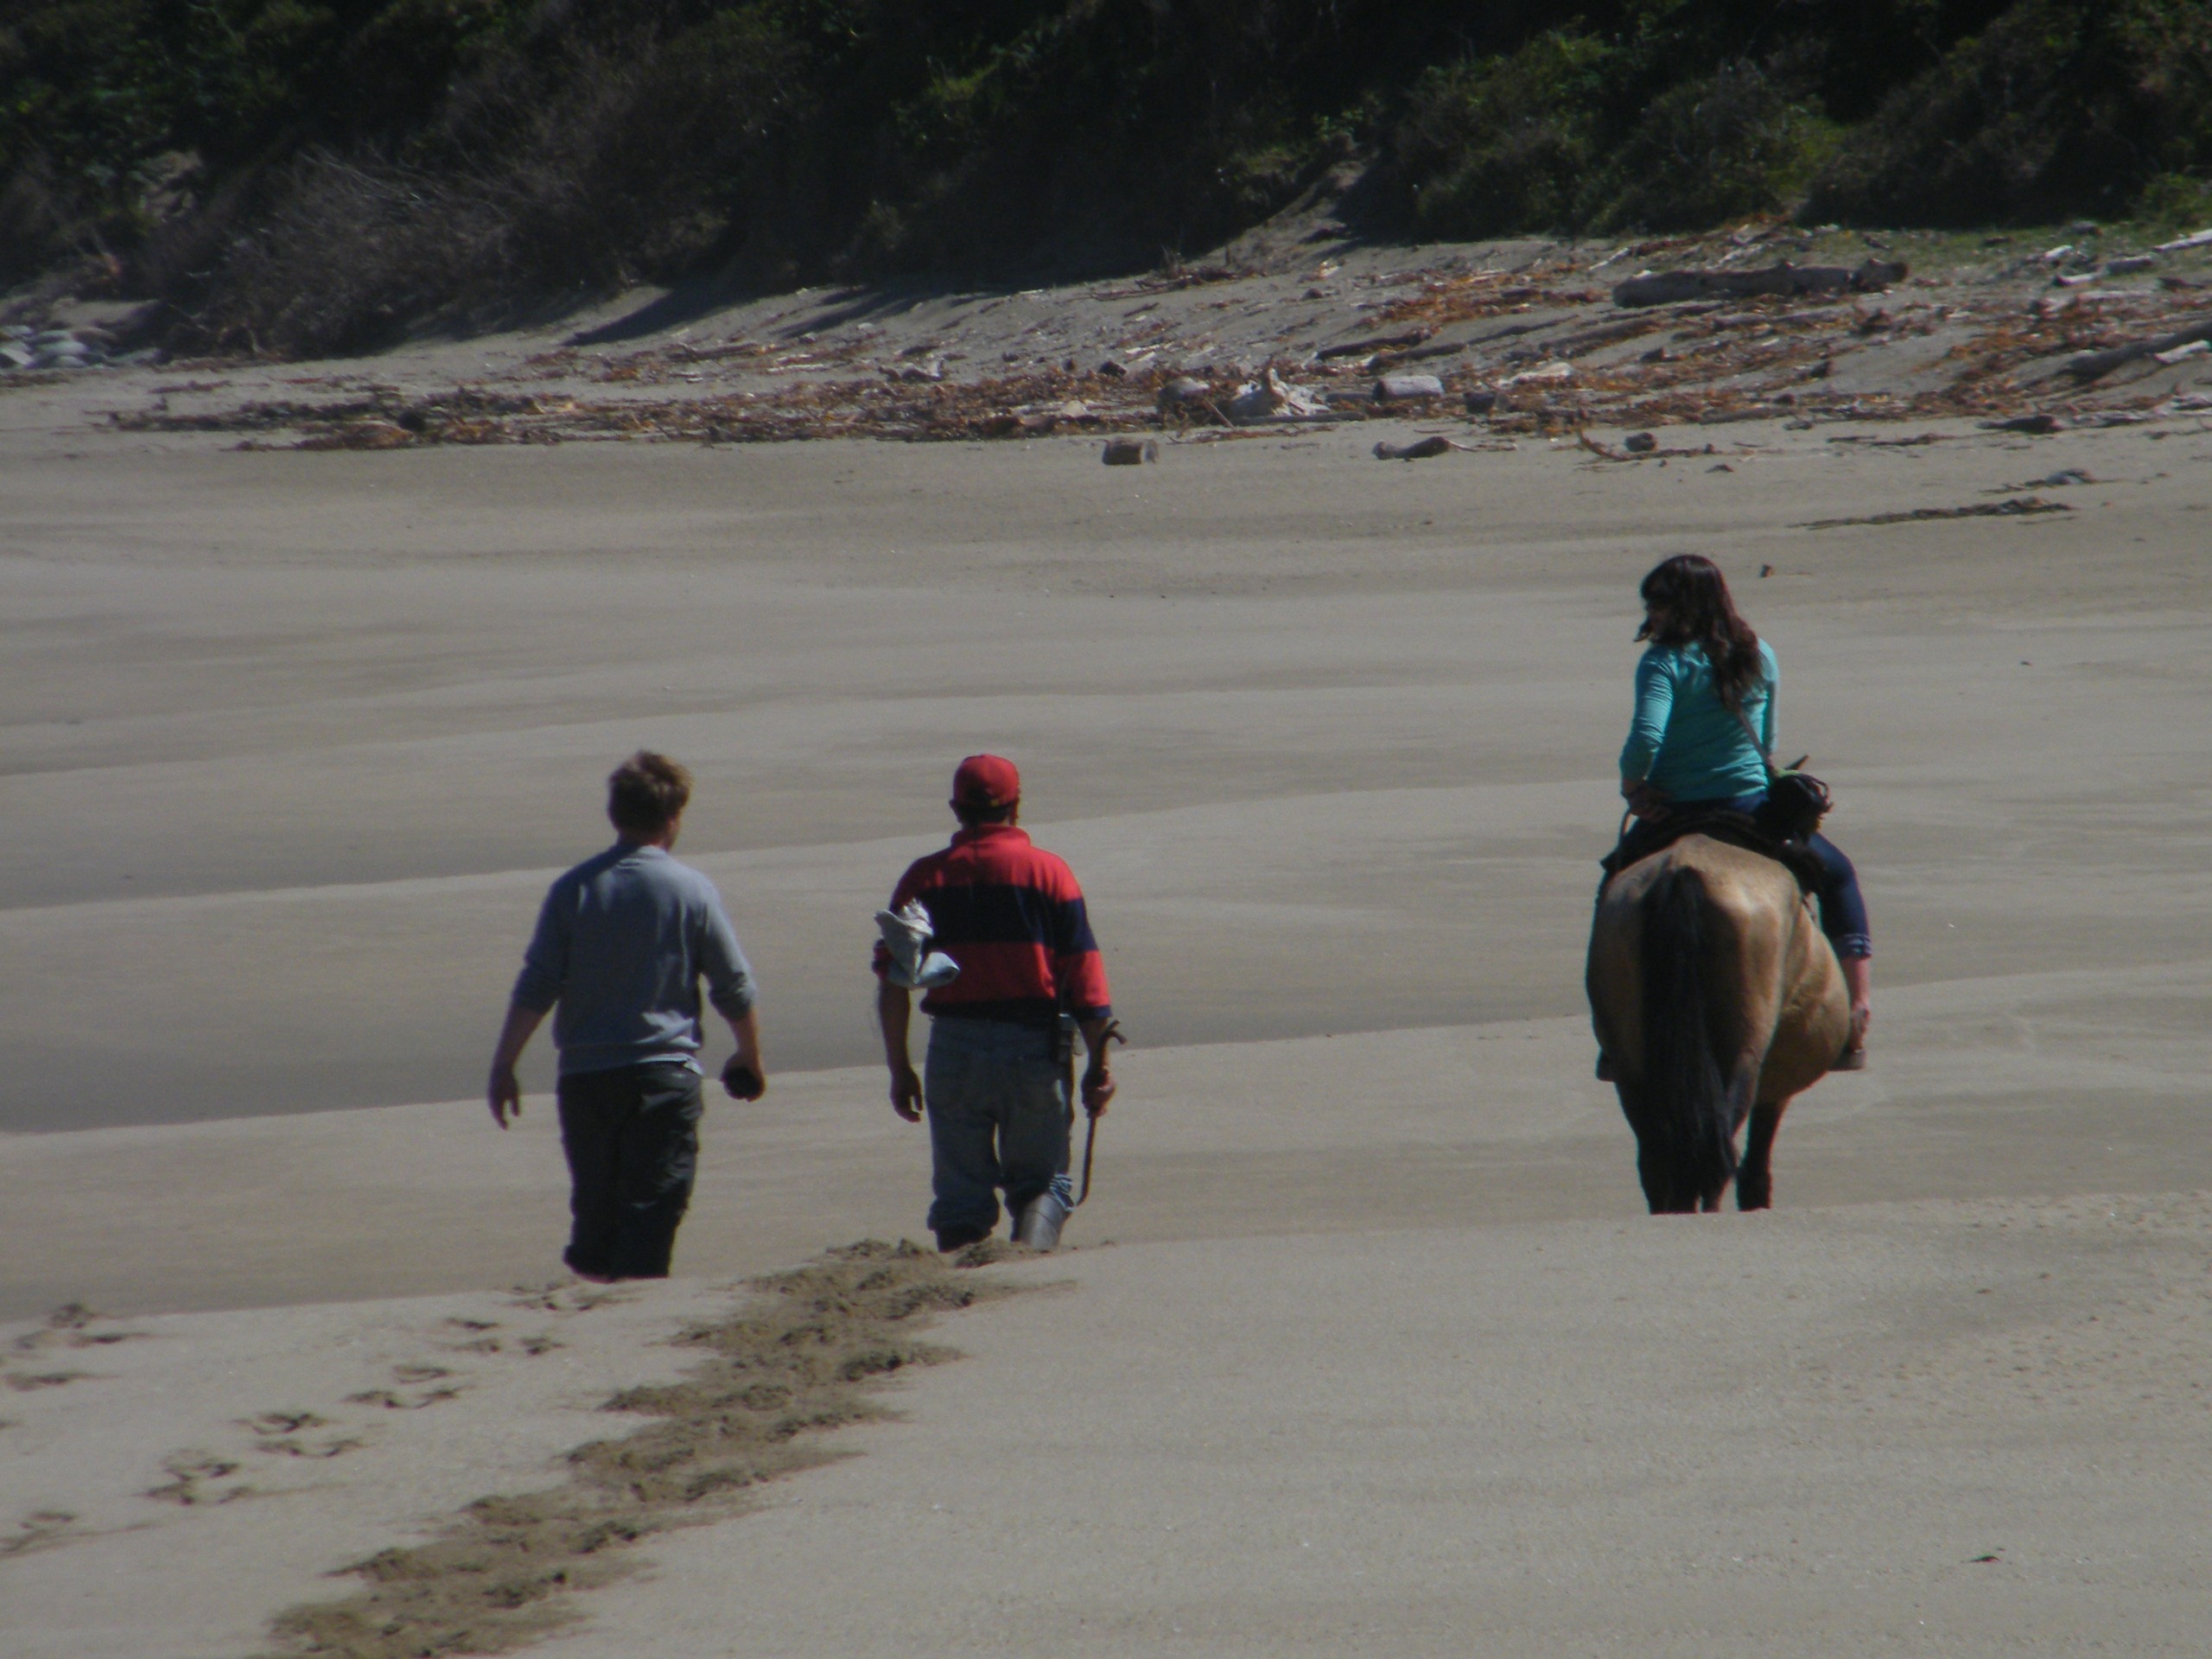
(1605, 1066)
(950, 1239)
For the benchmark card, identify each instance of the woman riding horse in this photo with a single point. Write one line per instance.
(1687, 750)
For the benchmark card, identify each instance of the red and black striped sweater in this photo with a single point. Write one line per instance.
(1011, 914)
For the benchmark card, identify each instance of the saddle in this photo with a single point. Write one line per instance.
(1717, 823)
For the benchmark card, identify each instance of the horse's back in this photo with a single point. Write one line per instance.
(1777, 984)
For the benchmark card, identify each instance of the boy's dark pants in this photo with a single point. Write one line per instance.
(633, 1140)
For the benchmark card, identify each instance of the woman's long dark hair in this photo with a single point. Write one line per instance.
(1691, 598)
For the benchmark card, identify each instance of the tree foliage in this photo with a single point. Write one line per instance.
(316, 173)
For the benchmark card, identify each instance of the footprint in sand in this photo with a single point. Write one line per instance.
(566, 1296)
(25, 1382)
(531, 1347)
(192, 1475)
(417, 1396)
(70, 1326)
(282, 1434)
(41, 1530)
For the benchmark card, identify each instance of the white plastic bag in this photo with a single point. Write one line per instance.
(907, 934)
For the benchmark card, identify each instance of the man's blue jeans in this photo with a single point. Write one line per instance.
(1000, 1120)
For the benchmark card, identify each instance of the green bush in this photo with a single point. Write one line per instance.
(1732, 144)
(2177, 201)
(2059, 107)
(1508, 143)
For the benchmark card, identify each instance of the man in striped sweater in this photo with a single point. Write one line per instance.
(994, 1086)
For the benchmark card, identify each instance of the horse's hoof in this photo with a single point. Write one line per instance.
(1852, 1060)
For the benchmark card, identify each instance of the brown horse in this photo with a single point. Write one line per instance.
(1717, 997)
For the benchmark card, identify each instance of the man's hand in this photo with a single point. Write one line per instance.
(1097, 1086)
(504, 1095)
(742, 1078)
(907, 1093)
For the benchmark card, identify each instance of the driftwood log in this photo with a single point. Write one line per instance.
(1373, 343)
(2095, 366)
(1783, 280)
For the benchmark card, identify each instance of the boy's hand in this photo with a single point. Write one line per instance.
(741, 1078)
(504, 1095)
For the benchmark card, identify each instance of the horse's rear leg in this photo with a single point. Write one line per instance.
(1755, 1176)
(1742, 1083)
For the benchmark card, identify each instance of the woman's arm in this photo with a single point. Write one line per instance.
(1647, 726)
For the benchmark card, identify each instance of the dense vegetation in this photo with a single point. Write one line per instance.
(315, 174)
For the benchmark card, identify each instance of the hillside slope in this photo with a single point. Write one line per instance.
(315, 176)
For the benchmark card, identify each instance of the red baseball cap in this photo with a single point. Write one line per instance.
(986, 780)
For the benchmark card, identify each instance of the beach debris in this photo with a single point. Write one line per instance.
(1182, 390)
(48, 350)
(1273, 398)
(2095, 366)
(1639, 443)
(1423, 353)
(1783, 280)
(2018, 506)
(2129, 264)
(2182, 353)
(1129, 451)
(2036, 425)
(2194, 239)
(1420, 450)
(361, 435)
(1407, 388)
(2060, 479)
(1558, 369)
(1372, 344)
(1543, 355)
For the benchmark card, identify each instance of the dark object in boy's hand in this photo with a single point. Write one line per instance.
(741, 1082)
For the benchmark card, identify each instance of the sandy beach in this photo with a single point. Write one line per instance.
(1364, 1342)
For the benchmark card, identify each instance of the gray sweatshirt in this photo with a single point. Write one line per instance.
(622, 945)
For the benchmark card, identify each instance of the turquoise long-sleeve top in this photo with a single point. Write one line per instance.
(1682, 739)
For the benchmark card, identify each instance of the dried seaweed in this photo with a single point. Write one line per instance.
(2018, 507)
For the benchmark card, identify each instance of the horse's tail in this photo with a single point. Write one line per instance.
(1687, 1151)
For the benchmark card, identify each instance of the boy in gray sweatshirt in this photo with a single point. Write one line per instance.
(623, 941)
